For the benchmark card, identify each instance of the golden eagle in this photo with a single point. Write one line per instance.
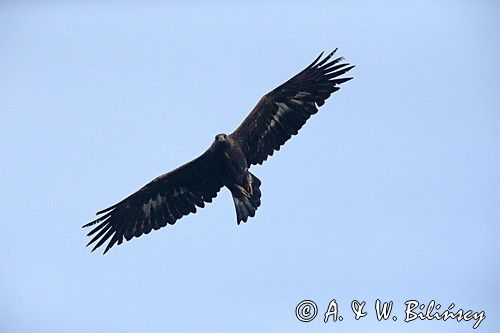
(278, 115)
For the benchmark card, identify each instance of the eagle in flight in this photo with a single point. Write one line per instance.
(276, 117)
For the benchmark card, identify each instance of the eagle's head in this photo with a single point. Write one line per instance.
(221, 142)
(221, 137)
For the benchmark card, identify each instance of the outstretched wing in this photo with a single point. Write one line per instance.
(283, 111)
(162, 201)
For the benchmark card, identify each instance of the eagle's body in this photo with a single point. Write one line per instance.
(278, 115)
(243, 185)
(234, 161)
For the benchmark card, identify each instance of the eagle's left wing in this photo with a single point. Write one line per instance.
(283, 111)
(162, 201)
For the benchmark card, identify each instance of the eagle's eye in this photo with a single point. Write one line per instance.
(220, 137)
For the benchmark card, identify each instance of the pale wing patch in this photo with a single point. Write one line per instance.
(301, 94)
(283, 108)
(152, 204)
(179, 192)
(159, 200)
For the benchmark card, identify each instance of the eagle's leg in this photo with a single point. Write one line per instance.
(250, 183)
(245, 192)
(248, 193)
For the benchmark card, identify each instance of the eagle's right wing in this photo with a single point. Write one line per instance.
(282, 112)
(162, 201)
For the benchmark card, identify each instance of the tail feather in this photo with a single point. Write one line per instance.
(247, 206)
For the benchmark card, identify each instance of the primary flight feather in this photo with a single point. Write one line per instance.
(277, 116)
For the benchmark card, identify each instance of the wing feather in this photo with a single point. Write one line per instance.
(282, 112)
(161, 202)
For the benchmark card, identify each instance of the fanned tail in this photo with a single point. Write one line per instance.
(246, 204)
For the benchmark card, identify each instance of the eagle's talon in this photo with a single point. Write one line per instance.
(245, 192)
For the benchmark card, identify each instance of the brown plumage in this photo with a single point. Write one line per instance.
(278, 115)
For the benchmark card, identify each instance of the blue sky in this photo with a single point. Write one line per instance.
(391, 191)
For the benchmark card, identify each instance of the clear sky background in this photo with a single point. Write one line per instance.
(391, 191)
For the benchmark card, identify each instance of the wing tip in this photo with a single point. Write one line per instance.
(325, 60)
(90, 224)
(342, 80)
(316, 60)
(106, 209)
(97, 220)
